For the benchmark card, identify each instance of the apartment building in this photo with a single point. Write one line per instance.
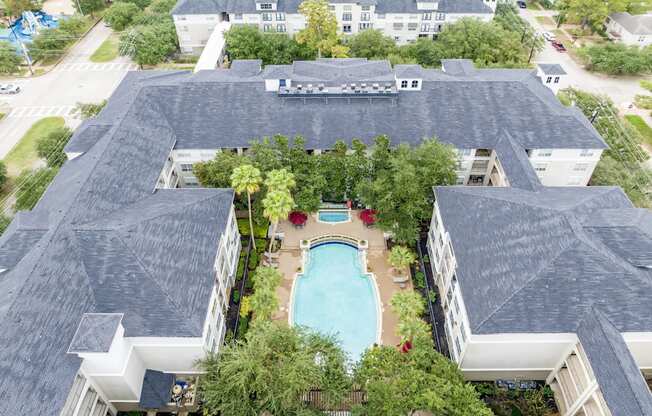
(548, 283)
(404, 20)
(118, 281)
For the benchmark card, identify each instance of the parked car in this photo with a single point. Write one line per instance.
(9, 89)
(521, 4)
(558, 46)
(550, 37)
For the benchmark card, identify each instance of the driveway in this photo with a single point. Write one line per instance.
(620, 89)
(74, 80)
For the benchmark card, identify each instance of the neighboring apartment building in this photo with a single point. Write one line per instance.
(403, 20)
(114, 284)
(548, 283)
(630, 29)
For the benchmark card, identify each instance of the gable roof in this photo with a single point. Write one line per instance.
(640, 24)
(98, 242)
(527, 264)
(623, 387)
(552, 69)
(95, 332)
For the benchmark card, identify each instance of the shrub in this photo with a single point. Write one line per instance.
(9, 59)
(121, 14)
(241, 267)
(643, 101)
(617, 59)
(4, 223)
(74, 26)
(3, 174)
(50, 147)
(253, 260)
(89, 110)
(420, 280)
(236, 296)
(371, 44)
(247, 42)
(141, 4)
(245, 306)
(150, 44)
(646, 84)
(161, 6)
(243, 325)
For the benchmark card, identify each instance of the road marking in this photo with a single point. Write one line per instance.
(87, 66)
(41, 111)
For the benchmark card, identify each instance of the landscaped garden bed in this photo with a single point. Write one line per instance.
(518, 398)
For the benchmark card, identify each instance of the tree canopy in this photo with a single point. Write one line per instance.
(121, 14)
(617, 59)
(320, 33)
(271, 370)
(9, 60)
(50, 147)
(247, 42)
(371, 44)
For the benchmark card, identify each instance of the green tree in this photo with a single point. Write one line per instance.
(217, 172)
(74, 27)
(320, 33)
(3, 174)
(617, 59)
(592, 13)
(15, 8)
(50, 147)
(247, 42)
(270, 371)
(9, 60)
(358, 168)
(161, 6)
(4, 223)
(280, 180)
(422, 379)
(141, 4)
(401, 257)
(89, 110)
(150, 44)
(49, 44)
(409, 307)
(277, 206)
(120, 15)
(371, 44)
(333, 168)
(247, 179)
(33, 185)
(264, 301)
(89, 6)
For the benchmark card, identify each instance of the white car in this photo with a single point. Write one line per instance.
(548, 36)
(9, 89)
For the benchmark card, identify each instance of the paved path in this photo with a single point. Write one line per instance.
(620, 89)
(74, 80)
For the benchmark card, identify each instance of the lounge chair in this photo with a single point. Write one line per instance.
(400, 279)
(272, 256)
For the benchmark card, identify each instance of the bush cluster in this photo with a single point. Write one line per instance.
(50, 44)
(617, 59)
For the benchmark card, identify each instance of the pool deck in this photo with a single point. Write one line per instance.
(290, 263)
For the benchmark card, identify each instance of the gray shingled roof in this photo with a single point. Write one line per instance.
(552, 69)
(526, 262)
(186, 7)
(95, 332)
(640, 24)
(623, 387)
(469, 111)
(156, 390)
(408, 71)
(104, 247)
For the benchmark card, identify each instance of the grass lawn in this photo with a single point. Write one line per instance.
(107, 51)
(545, 20)
(641, 126)
(23, 154)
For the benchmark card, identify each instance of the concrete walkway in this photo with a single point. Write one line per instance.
(58, 91)
(290, 263)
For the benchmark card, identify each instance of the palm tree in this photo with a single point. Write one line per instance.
(401, 257)
(277, 205)
(280, 179)
(407, 305)
(247, 178)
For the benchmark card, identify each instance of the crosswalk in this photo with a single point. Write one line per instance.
(89, 66)
(42, 111)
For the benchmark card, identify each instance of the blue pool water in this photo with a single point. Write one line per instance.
(333, 296)
(21, 30)
(333, 216)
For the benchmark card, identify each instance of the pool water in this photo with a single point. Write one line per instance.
(333, 296)
(333, 216)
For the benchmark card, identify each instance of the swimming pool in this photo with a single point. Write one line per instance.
(334, 296)
(333, 216)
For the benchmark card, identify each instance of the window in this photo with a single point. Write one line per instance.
(73, 396)
(265, 6)
(463, 331)
(641, 38)
(183, 154)
(186, 167)
(404, 84)
(427, 16)
(413, 26)
(364, 25)
(466, 152)
(365, 17)
(586, 153)
(331, 7)
(459, 180)
(191, 181)
(100, 408)
(581, 167)
(280, 16)
(439, 16)
(346, 28)
(425, 27)
(281, 29)
(347, 17)
(397, 38)
(380, 15)
(347, 8)
(267, 17)
(365, 8)
(540, 167)
(87, 403)
(398, 26)
(544, 153)
(238, 16)
(415, 83)
(414, 16)
(556, 80)
(267, 28)
(181, 17)
(458, 348)
(548, 80)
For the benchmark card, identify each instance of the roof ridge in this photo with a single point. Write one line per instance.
(527, 283)
(154, 281)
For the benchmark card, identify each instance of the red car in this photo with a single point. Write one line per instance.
(558, 46)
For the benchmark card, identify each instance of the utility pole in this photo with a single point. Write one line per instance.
(22, 48)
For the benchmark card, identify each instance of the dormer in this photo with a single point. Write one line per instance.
(266, 5)
(552, 76)
(277, 76)
(408, 77)
(427, 5)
